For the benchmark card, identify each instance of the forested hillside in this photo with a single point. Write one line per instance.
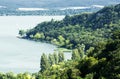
(72, 31)
(95, 42)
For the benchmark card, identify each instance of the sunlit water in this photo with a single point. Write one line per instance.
(19, 55)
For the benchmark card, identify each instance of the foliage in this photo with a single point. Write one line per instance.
(22, 32)
(94, 38)
(97, 49)
(44, 64)
(73, 31)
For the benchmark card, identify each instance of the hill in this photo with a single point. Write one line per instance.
(95, 42)
(72, 31)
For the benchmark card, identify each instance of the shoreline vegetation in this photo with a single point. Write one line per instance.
(65, 50)
(93, 38)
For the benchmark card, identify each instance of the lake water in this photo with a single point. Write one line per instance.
(19, 55)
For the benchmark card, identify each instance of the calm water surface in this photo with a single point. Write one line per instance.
(19, 55)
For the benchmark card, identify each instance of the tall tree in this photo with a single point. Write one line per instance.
(81, 51)
(44, 64)
(60, 56)
(75, 54)
(51, 59)
(55, 57)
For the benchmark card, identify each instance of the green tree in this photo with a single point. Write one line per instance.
(11, 75)
(44, 64)
(61, 40)
(81, 51)
(90, 51)
(87, 65)
(20, 76)
(26, 75)
(51, 59)
(42, 35)
(111, 69)
(22, 32)
(55, 57)
(60, 56)
(37, 36)
(3, 76)
(75, 54)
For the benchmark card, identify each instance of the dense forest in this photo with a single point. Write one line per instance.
(87, 28)
(94, 39)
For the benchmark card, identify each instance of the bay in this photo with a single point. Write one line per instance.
(20, 55)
